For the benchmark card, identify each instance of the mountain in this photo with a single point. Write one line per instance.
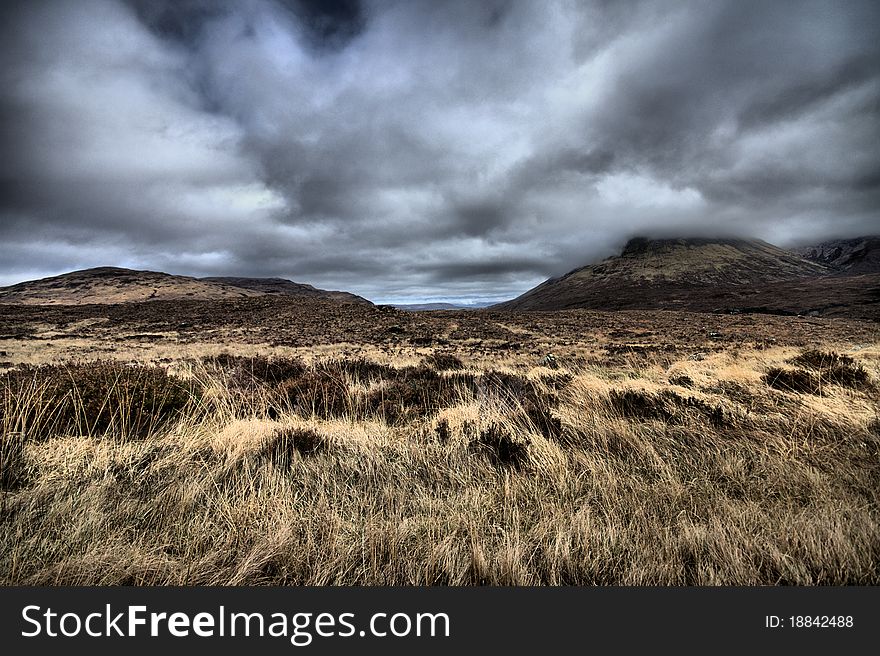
(707, 275)
(655, 273)
(287, 288)
(846, 256)
(104, 285)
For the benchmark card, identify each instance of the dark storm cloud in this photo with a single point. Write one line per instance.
(179, 21)
(479, 217)
(440, 150)
(738, 77)
(330, 24)
(805, 95)
(327, 24)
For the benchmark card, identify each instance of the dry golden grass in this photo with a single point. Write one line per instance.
(694, 472)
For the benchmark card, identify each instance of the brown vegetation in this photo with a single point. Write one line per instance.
(273, 469)
(265, 441)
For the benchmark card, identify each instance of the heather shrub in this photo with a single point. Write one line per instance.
(249, 371)
(834, 368)
(443, 361)
(798, 381)
(92, 398)
(501, 447)
(13, 465)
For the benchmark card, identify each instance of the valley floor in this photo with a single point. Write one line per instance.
(264, 442)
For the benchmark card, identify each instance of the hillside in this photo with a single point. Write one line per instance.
(724, 275)
(846, 256)
(287, 288)
(107, 285)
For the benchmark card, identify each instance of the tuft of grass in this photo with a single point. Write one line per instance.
(558, 380)
(682, 380)
(798, 381)
(95, 398)
(417, 392)
(541, 417)
(249, 371)
(442, 430)
(665, 406)
(443, 361)
(359, 389)
(638, 404)
(501, 447)
(14, 470)
(834, 368)
(359, 369)
(318, 393)
(285, 442)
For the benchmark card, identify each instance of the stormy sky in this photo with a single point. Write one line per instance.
(426, 150)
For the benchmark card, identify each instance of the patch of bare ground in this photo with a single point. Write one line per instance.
(256, 442)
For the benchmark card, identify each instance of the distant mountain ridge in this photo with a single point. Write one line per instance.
(425, 307)
(103, 285)
(651, 272)
(287, 288)
(422, 307)
(834, 278)
(706, 275)
(705, 261)
(848, 256)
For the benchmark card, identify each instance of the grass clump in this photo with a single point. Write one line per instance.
(639, 404)
(93, 398)
(541, 417)
(682, 380)
(320, 393)
(13, 464)
(417, 392)
(502, 448)
(443, 361)
(798, 381)
(442, 431)
(666, 406)
(358, 369)
(361, 389)
(249, 371)
(286, 442)
(834, 368)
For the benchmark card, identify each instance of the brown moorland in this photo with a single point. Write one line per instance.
(271, 440)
